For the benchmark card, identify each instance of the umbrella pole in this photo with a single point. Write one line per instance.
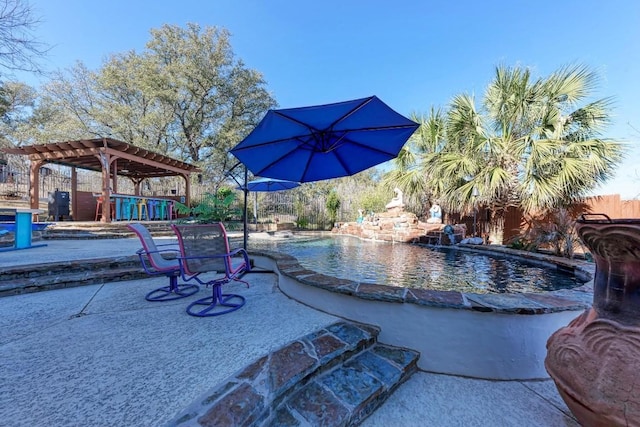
(244, 220)
(255, 209)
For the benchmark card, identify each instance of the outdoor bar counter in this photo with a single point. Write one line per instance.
(128, 207)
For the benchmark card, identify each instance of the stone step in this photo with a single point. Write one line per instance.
(58, 275)
(97, 230)
(58, 267)
(85, 235)
(351, 392)
(336, 376)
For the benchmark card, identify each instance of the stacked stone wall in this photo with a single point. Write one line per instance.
(395, 225)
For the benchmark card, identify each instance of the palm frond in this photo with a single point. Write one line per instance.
(571, 84)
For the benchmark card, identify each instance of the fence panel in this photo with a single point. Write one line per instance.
(630, 209)
(610, 205)
(286, 207)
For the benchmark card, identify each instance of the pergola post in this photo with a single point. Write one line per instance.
(137, 186)
(187, 189)
(34, 184)
(106, 190)
(74, 191)
(114, 174)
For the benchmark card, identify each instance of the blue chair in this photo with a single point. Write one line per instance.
(154, 263)
(204, 248)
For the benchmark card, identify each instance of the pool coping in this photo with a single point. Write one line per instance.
(573, 299)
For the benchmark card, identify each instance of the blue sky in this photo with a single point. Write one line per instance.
(411, 54)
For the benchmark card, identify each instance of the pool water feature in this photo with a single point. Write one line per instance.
(416, 266)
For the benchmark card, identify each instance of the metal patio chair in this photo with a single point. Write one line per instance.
(205, 257)
(154, 263)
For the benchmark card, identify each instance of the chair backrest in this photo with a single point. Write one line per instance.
(154, 256)
(202, 247)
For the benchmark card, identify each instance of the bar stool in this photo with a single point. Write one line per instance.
(170, 208)
(151, 209)
(163, 208)
(129, 208)
(99, 201)
(118, 203)
(143, 209)
(157, 214)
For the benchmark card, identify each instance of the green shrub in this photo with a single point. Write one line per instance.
(332, 204)
(212, 208)
(302, 222)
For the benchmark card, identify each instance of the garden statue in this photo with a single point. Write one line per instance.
(472, 241)
(396, 202)
(435, 214)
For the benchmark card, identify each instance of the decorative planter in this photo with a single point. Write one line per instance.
(595, 360)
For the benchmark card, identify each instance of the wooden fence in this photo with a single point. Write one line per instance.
(614, 206)
(611, 205)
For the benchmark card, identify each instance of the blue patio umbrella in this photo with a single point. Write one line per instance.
(324, 141)
(270, 184)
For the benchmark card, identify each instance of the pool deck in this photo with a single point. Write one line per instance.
(102, 355)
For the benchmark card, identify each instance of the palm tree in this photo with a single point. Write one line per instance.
(411, 166)
(530, 145)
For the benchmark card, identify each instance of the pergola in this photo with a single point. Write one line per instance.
(111, 157)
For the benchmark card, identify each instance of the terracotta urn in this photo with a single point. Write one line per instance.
(595, 360)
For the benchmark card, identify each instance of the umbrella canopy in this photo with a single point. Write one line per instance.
(270, 184)
(324, 141)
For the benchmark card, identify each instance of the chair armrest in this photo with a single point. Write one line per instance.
(244, 254)
(228, 268)
(163, 265)
(143, 251)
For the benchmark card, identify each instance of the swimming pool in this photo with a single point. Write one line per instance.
(415, 266)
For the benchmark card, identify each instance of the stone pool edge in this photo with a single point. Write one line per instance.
(490, 336)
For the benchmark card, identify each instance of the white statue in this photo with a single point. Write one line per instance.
(396, 202)
(435, 214)
(472, 241)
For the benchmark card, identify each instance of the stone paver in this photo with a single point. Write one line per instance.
(100, 355)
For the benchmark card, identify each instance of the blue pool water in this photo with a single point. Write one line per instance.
(414, 266)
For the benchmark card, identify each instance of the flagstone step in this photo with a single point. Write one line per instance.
(58, 275)
(98, 230)
(336, 376)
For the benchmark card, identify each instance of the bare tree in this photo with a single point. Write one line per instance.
(19, 48)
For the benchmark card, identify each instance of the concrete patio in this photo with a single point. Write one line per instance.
(101, 355)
